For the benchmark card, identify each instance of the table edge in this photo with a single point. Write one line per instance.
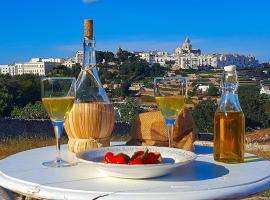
(41, 191)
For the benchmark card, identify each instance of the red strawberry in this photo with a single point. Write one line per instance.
(137, 154)
(119, 160)
(151, 158)
(137, 161)
(127, 158)
(109, 157)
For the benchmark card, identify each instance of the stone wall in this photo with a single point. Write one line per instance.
(43, 128)
(30, 128)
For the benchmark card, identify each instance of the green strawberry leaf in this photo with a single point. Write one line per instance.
(146, 151)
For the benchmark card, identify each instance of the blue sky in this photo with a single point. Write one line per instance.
(54, 28)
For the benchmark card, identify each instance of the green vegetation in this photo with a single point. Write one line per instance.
(30, 111)
(19, 94)
(203, 115)
(104, 55)
(63, 71)
(213, 90)
(128, 110)
(267, 105)
(253, 105)
(18, 91)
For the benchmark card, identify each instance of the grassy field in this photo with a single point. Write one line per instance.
(11, 146)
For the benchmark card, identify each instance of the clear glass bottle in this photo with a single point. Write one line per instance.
(229, 121)
(88, 85)
(91, 120)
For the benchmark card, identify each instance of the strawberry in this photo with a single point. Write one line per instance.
(137, 154)
(126, 157)
(137, 161)
(151, 158)
(140, 154)
(119, 160)
(109, 157)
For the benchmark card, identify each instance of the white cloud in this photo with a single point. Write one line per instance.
(89, 1)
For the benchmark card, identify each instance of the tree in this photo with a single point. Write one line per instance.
(128, 110)
(104, 55)
(18, 91)
(6, 102)
(125, 88)
(76, 70)
(213, 90)
(157, 70)
(203, 115)
(61, 71)
(253, 105)
(25, 89)
(169, 62)
(109, 56)
(125, 56)
(30, 111)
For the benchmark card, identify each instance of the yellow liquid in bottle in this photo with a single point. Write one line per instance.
(58, 107)
(170, 106)
(229, 135)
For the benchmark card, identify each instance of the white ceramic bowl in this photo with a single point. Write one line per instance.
(172, 158)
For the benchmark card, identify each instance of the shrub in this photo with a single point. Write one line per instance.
(30, 111)
(203, 115)
(253, 105)
(128, 110)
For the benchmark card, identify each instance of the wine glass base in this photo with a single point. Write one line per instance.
(59, 163)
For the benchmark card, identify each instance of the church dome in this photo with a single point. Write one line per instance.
(187, 40)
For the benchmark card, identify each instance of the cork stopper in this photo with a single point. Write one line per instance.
(88, 29)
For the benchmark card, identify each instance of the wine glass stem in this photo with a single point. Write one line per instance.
(170, 126)
(58, 129)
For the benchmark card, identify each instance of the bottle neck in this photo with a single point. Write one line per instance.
(229, 99)
(229, 82)
(89, 61)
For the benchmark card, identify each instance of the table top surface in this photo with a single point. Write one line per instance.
(201, 179)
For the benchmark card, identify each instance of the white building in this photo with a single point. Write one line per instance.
(35, 66)
(186, 49)
(185, 58)
(7, 69)
(79, 57)
(203, 88)
(192, 58)
(186, 61)
(264, 89)
(148, 56)
(54, 60)
(69, 63)
(156, 57)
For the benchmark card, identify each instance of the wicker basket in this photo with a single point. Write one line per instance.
(89, 125)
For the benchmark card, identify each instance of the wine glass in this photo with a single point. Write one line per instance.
(58, 96)
(170, 94)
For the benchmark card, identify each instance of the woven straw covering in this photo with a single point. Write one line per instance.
(149, 129)
(77, 145)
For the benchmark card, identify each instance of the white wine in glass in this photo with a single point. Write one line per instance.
(58, 96)
(170, 94)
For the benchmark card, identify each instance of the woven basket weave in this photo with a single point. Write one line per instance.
(149, 129)
(89, 125)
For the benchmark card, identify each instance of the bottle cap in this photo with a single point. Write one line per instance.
(229, 68)
(88, 29)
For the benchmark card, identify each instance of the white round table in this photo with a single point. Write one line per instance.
(201, 179)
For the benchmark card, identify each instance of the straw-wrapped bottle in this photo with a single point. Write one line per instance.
(91, 120)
